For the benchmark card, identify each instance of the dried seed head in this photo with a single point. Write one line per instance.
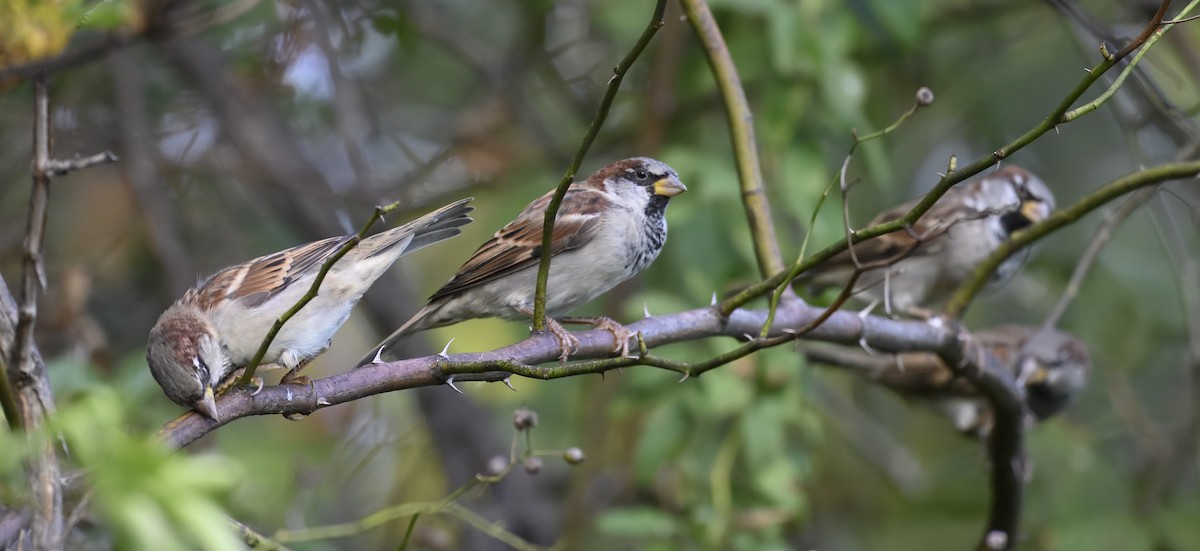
(533, 465)
(573, 456)
(497, 464)
(524, 418)
(924, 96)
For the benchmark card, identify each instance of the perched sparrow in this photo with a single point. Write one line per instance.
(609, 227)
(1051, 367)
(219, 325)
(945, 245)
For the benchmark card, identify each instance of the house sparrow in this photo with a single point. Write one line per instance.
(219, 325)
(609, 227)
(955, 235)
(1050, 366)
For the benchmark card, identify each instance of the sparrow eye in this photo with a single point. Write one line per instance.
(200, 366)
(641, 174)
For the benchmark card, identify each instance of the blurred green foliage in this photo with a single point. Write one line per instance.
(448, 99)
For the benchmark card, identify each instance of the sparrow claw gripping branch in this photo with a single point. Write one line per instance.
(620, 333)
(567, 343)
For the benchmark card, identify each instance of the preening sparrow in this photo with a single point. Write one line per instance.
(609, 227)
(945, 245)
(218, 326)
(1050, 366)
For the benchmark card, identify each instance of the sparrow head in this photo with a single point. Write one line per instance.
(1054, 367)
(641, 180)
(1022, 198)
(185, 357)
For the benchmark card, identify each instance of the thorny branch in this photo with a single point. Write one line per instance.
(953, 176)
(962, 297)
(610, 93)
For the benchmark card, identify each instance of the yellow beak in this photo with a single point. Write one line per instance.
(208, 404)
(1034, 211)
(1039, 375)
(669, 187)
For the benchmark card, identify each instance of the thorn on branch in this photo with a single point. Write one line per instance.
(56, 167)
(450, 381)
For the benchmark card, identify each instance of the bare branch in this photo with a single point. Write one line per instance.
(521, 359)
(27, 372)
(741, 126)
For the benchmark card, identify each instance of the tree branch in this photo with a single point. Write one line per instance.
(953, 176)
(26, 370)
(741, 127)
(1112, 219)
(610, 92)
(962, 297)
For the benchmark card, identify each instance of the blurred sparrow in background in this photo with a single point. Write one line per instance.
(955, 235)
(1050, 367)
(609, 227)
(219, 325)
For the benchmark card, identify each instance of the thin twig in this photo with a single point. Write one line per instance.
(255, 540)
(741, 132)
(610, 93)
(1112, 219)
(313, 289)
(948, 180)
(962, 296)
(28, 375)
(1149, 38)
(924, 98)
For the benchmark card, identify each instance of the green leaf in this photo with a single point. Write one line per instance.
(641, 522)
(661, 437)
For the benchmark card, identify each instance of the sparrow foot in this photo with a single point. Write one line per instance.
(621, 334)
(917, 312)
(294, 378)
(232, 379)
(567, 342)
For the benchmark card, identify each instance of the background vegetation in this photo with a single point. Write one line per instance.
(253, 126)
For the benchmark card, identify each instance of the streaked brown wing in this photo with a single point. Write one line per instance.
(519, 244)
(895, 245)
(258, 280)
(922, 374)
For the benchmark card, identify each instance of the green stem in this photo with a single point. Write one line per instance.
(741, 132)
(312, 291)
(951, 178)
(610, 93)
(962, 296)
